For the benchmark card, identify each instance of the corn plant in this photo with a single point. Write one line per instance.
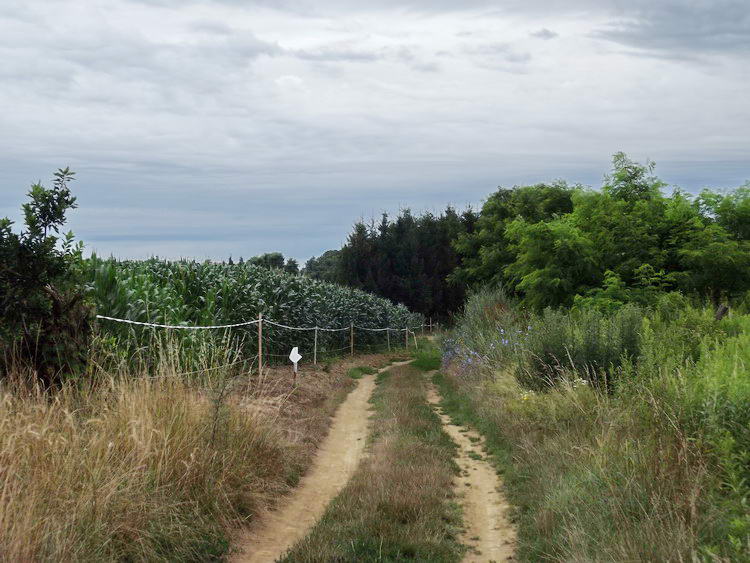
(207, 293)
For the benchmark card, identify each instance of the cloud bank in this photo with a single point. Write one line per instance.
(208, 128)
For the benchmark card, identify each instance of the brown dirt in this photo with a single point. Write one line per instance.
(275, 532)
(488, 531)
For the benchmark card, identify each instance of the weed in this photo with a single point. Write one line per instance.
(427, 356)
(360, 371)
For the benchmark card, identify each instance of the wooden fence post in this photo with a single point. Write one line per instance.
(351, 336)
(406, 337)
(388, 337)
(260, 343)
(315, 352)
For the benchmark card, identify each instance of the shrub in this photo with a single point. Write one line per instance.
(45, 321)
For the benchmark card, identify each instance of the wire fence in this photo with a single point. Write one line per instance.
(273, 341)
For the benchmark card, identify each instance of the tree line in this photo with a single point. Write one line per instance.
(549, 245)
(406, 259)
(556, 244)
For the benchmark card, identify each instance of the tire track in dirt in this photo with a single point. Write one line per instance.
(335, 461)
(487, 530)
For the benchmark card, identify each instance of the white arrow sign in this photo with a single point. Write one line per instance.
(295, 357)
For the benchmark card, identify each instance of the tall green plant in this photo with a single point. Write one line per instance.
(45, 322)
(207, 293)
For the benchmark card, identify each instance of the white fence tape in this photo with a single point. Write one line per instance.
(182, 327)
(256, 321)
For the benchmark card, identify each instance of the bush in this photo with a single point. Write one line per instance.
(45, 321)
(542, 347)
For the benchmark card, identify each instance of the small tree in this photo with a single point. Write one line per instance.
(45, 322)
(291, 266)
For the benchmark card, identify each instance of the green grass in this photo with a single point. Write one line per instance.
(360, 371)
(398, 506)
(427, 356)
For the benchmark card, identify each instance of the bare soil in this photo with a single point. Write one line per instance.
(487, 529)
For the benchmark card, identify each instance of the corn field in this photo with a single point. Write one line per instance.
(204, 293)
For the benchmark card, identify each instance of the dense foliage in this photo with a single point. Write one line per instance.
(206, 293)
(43, 320)
(624, 435)
(406, 259)
(271, 261)
(557, 245)
(323, 267)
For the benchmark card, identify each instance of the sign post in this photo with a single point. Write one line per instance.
(260, 343)
(315, 349)
(295, 357)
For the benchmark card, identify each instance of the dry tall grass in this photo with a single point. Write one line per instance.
(152, 468)
(128, 471)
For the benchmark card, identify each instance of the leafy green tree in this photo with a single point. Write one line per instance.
(716, 264)
(45, 321)
(632, 242)
(325, 267)
(291, 266)
(630, 181)
(609, 298)
(626, 219)
(486, 250)
(555, 260)
(730, 210)
(270, 261)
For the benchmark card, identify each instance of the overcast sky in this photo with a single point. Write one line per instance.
(208, 128)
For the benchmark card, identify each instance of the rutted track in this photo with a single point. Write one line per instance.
(487, 531)
(335, 462)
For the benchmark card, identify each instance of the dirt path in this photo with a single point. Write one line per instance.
(335, 462)
(488, 532)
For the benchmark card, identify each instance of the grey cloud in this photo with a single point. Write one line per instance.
(410, 56)
(682, 29)
(316, 7)
(211, 27)
(544, 33)
(407, 55)
(189, 137)
(117, 53)
(311, 6)
(426, 67)
(498, 53)
(337, 54)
